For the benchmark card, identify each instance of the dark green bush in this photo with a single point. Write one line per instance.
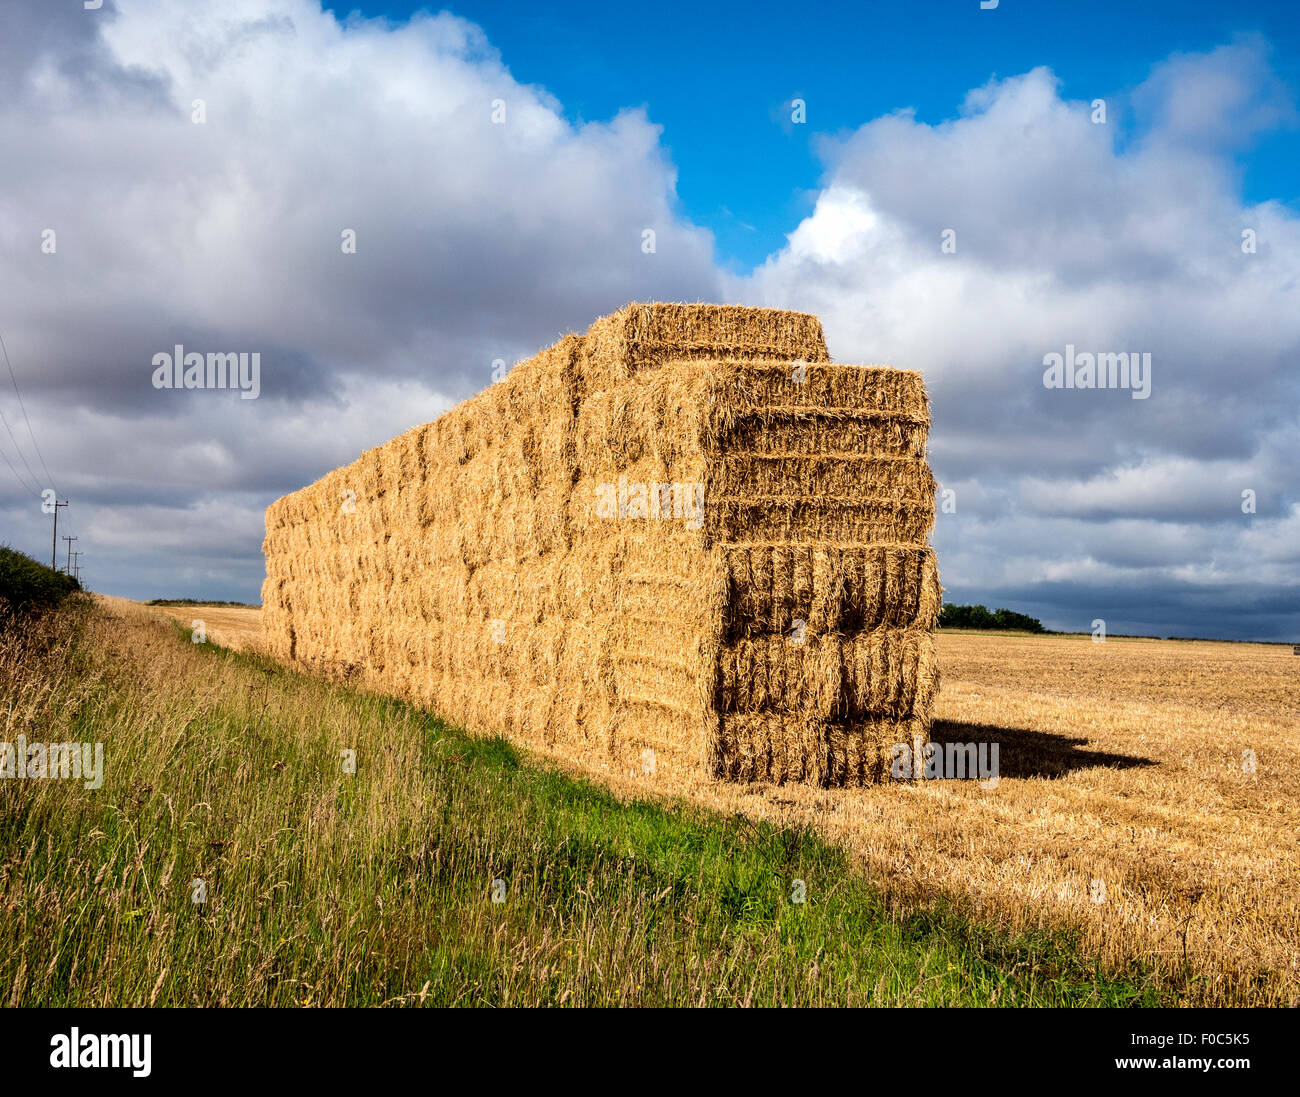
(27, 585)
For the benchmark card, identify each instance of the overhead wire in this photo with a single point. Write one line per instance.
(22, 404)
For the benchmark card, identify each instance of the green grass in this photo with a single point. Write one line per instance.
(375, 887)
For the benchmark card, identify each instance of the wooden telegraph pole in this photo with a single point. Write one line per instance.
(54, 541)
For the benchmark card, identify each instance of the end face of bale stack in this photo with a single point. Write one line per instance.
(685, 539)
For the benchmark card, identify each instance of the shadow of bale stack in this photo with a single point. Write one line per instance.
(685, 539)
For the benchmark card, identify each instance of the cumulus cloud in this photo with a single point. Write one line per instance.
(1117, 237)
(476, 240)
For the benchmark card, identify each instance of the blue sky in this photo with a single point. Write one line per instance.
(717, 78)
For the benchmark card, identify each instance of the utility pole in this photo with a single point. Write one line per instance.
(54, 541)
(75, 566)
(68, 570)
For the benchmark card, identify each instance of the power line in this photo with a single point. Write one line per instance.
(17, 475)
(26, 485)
(48, 478)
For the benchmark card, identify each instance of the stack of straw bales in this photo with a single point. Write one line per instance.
(685, 539)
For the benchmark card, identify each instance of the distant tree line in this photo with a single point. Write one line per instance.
(198, 602)
(981, 617)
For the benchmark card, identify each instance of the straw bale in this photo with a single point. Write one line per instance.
(642, 336)
(685, 536)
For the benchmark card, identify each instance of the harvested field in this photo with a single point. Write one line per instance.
(685, 540)
(1123, 807)
(1120, 762)
(236, 627)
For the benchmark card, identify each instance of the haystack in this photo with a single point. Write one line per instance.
(684, 539)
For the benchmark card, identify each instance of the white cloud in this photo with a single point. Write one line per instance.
(475, 241)
(1068, 234)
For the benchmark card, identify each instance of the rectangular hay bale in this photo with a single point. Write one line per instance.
(685, 536)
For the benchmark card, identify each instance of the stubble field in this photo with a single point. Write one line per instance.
(1148, 799)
